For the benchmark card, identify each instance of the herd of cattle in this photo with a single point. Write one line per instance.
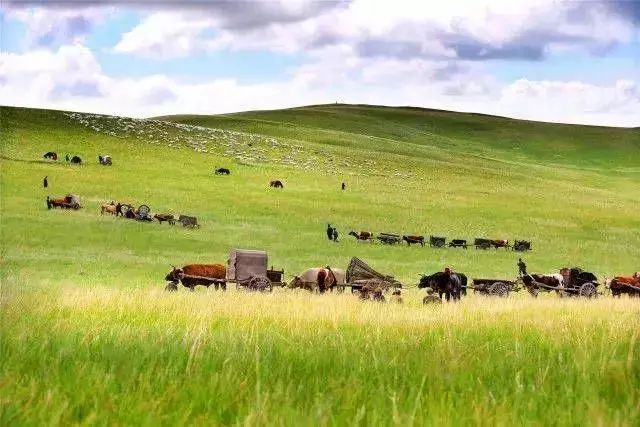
(439, 241)
(104, 160)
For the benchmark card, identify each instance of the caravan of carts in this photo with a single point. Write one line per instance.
(249, 270)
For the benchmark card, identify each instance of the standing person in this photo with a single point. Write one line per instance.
(67, 158)
(344, 186)
(329, 232)
(335, 234)
(522, 267)
(45, 182)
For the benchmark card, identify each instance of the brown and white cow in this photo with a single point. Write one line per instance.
(192, 275)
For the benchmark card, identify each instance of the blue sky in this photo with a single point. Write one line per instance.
(572, 61)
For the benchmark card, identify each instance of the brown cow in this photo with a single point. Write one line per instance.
(108, 208)
(625, 285)
(363, 235)
(413, 239)
(193, 275)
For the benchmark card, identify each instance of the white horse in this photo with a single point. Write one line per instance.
(319, 278)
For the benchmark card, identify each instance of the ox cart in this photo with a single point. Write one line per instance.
(521, 245)
(494, 287)
(248, 270)
(188, 221)
(362, 278)
(70, 201)
(143, 213)
(437, 241)
(389, 239)
(576, 283)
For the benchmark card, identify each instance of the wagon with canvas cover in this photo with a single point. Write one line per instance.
(248, 269)
(494, 287)
(361, 275)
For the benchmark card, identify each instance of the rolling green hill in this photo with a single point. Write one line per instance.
(90, 337)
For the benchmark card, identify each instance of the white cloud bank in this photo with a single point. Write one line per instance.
(71, 78)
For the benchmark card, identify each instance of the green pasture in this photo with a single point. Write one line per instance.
(89, 337)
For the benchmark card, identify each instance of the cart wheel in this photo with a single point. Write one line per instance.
(261, 284)
(588, 290)
(171, 287)
(431, 299)
(499, 289)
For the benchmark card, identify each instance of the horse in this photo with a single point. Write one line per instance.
(363, 235)
(319, 278)
(276, 184)
(222, 171)
(110, 208)
(448, 284)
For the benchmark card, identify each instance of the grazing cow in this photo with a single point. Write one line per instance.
(276, 184)
(319, 279)
(76, 160)
(51, 156)
(105, 160)
(165, 217)
(193, 275)
(446, 283)
(110, 208)
(222, 171)
(363, 235)
(413, 239)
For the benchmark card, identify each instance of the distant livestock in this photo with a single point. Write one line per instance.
(193, 275)
(70, 201)
(110, 208)
(51, 156)
(222, 171)
(188, 221)
(276, 184)
(76, 160)
(363, 235)
(414, 239)
(105, 160)
(165, 217)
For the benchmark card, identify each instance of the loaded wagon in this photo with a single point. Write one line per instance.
(143, 213)
(362, 278)
(188, 221)
(248, 270)
(576, 282)
(70, 201)
(521, 246)
(437, 241)
(494, 287)
(389, 239)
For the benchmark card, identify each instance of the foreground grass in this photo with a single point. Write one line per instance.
(106, 356)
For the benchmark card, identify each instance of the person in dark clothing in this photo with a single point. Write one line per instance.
(344, 186)
(329, 232)
(335, 234)
(67, 157)
(522, 267)
(45, 182)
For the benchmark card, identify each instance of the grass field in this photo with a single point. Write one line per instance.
(89, 337)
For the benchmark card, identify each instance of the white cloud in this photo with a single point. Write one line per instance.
(71, 78)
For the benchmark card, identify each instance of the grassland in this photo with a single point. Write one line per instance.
(89, 337)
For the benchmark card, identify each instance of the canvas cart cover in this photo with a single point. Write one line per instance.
(73, 198)
(359, 270)
(246, 263)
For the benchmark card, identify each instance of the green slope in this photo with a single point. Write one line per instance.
(375, 127)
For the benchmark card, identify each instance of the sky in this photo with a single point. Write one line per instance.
(572, 61)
